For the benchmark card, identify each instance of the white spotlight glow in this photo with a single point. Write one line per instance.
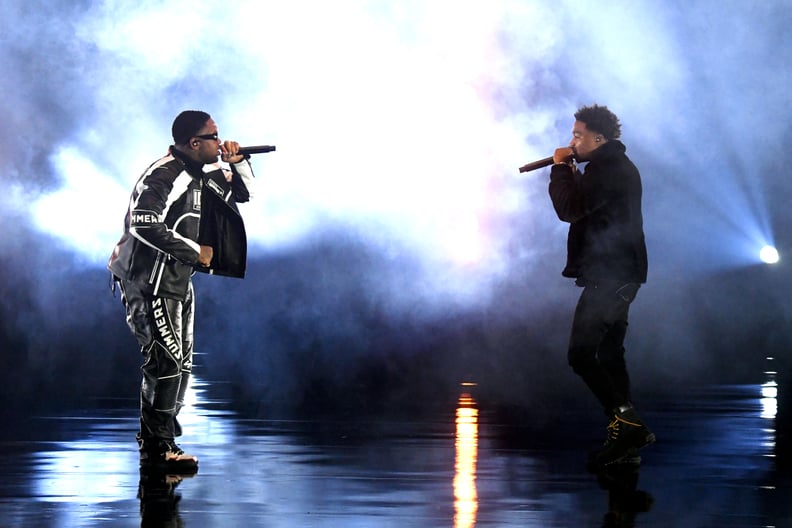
(769, 255)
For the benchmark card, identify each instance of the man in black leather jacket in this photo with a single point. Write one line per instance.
(182, 218)
(606, 255)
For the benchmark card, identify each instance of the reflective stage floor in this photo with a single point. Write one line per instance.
(459, 465)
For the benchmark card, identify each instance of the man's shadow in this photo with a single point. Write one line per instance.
(625, 500)
(159, 501)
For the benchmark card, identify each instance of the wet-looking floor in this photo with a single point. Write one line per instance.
(457, 464)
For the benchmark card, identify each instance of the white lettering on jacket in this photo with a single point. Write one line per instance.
(144, 218)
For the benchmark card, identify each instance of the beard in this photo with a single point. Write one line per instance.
(210, 158)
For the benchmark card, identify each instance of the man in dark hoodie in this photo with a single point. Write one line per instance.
(182, 218)
(606, 255)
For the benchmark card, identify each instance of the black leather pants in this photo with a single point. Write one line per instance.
(164, 329)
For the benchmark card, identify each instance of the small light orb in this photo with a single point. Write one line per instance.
(769, 255)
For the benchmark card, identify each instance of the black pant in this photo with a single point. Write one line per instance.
(596, 345)
(164, 329)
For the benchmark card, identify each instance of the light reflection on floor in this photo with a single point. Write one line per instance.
(466, 446)
(461, 466)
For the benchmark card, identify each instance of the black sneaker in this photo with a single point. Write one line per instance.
(626, 435)
(166, 454)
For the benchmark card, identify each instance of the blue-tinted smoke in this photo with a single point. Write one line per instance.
(392, 216)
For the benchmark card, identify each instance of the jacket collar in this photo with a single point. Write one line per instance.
(612, 148)
(193, 167)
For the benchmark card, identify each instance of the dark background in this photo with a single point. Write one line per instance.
(332, 319)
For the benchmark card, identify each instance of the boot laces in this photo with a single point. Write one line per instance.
(615, 427)
(613, 430)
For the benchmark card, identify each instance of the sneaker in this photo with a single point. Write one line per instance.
(166, 454)
(626, 435)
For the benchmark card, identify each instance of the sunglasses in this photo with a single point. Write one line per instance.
(208, 136)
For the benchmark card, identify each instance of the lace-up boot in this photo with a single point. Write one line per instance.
(627, 434)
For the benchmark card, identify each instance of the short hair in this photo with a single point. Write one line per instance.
(601, 120)
(187, 124)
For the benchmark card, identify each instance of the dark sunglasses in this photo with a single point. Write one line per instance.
(208, 136)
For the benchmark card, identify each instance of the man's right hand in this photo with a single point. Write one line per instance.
(205, 258)
(563, 155)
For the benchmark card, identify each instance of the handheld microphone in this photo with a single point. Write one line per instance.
(256, 149)
(537, 164)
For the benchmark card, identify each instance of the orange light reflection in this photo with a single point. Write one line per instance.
(465, 494)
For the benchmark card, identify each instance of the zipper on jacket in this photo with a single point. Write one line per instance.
(156, 271)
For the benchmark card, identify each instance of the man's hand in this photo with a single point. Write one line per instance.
(205, 258)
(229, 150)
(563, 155)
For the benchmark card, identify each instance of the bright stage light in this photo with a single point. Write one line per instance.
(769, 255)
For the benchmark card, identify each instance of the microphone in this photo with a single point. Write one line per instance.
(256, 149)
(537, 164)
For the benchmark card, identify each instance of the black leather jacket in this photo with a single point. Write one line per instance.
(603, 207)
(175, 207)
